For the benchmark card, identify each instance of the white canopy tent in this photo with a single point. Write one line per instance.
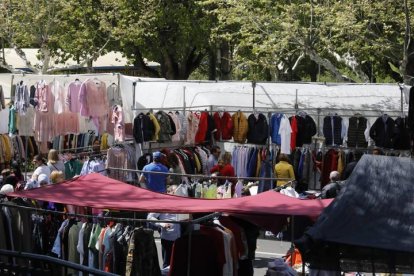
(370, 100)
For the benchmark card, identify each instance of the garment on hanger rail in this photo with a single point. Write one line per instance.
(240, 127)
(382, 131)
(358, 132)
(258, 129)
(224, 126)
(2, 100)
(21, 98)
(333, 130)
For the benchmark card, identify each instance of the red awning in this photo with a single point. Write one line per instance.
(97, 191)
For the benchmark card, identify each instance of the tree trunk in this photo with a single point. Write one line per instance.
(212, 64)
(225, 61)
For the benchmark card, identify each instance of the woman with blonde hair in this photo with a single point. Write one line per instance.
(54, 163)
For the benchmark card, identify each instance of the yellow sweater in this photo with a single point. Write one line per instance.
(284, 170)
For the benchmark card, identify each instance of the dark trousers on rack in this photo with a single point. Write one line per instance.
(166, 252)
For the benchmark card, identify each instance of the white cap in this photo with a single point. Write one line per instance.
(7, 188)
(43, 179)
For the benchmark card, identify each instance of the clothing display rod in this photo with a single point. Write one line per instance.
(200, 175)
(119, 219)
(56, 261)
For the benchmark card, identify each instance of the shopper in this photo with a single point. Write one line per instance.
(54, 163)
(224, 168)
(155, 181)
(173, 163)
(40, 167)
(283, 169)
(214, 157)
(332, 189)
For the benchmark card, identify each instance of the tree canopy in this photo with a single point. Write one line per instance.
(342, 40)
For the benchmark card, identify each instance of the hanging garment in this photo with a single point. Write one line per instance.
(44, 97)
(143, 129)
(294, 133)
(172, 124)
(401, 134)
(72, 96)
(224, 126)
(142, 258)
(285, 133)
(240, 128)
(178, 128)
(21, 98)
(164, 134)
(25, 123)
(306, 129)
(357, 132)
(382, 131)
(93, 98)
(58, 93)
(192, 127)
(202, 128)
(118, 121)
(4, 122)
(330, 163)
(211, 128)
(155, 125)
(333, 130)
(258, 129)
(114, 95)
(275, 121)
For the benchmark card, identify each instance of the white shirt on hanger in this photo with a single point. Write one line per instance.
(285, 132)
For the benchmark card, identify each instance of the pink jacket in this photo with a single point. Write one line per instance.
(93, 98)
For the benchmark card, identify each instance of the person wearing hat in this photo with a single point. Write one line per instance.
(154, 181)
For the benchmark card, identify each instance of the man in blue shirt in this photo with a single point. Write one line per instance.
(154, 181)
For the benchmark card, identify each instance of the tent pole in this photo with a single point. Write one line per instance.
(134, 84)
(254, 95)
(292, 246)
(184, 103)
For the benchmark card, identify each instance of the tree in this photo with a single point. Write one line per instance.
(173, 33)
(353, 40)
(60, 29)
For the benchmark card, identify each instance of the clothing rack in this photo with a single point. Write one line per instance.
(200, 175)
(190, 222)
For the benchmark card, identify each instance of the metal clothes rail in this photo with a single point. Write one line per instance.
(200, 175)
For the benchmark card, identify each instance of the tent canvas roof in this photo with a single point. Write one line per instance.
(375, 211)
(97, 191)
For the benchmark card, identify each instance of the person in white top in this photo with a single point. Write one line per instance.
(41, 167)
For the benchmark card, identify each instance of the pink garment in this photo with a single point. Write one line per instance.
(72, 97)
(192, 126)
(93, 98)
(44, 126)
(118, 121)
(66, 123)
(58, 93)
(176, 137)
(44, 97)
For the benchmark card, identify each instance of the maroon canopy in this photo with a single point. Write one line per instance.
(97, 191)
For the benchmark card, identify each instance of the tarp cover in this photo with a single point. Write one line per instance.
(97, 191)
(372, 218)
